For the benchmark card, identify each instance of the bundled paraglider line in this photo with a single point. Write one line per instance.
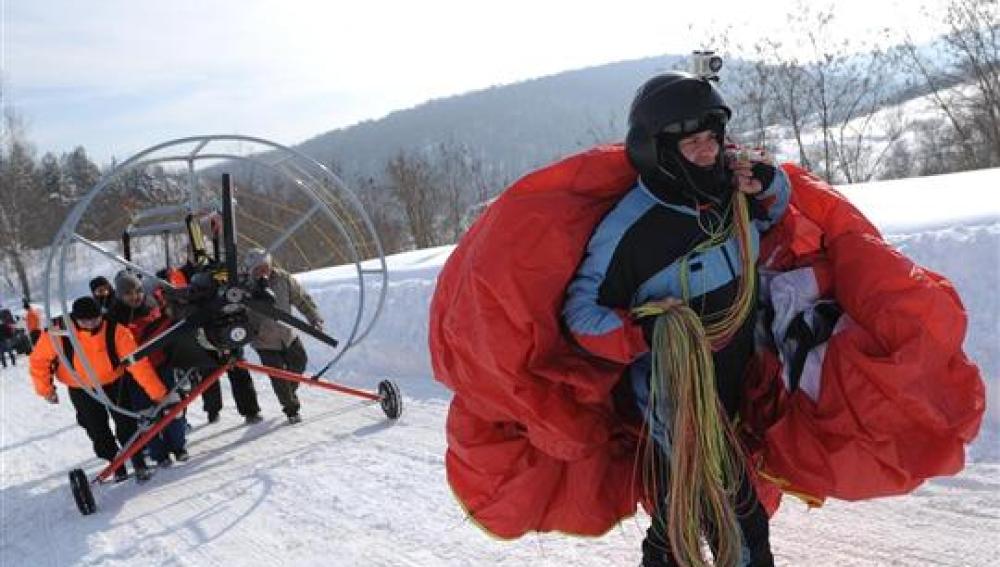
(721, 326)
(705, 461)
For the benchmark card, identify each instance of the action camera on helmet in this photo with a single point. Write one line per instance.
(706, 64)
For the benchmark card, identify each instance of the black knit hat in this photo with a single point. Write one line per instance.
(98, 282)
(85, 308)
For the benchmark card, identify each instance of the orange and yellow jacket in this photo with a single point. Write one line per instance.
(33, 320)
(94, 344)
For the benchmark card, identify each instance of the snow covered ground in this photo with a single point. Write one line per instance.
(346, 487)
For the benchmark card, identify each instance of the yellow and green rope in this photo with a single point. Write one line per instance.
(706, 463)
(721, 326)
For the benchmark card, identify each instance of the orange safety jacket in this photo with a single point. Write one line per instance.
(176, 277)
(95, 344)
(32, 320)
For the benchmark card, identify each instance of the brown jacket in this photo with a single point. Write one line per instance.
(272, 335)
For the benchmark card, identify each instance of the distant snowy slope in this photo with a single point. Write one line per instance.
(906, 206)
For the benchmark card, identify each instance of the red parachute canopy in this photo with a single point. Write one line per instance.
(535, 440)
(898, 400)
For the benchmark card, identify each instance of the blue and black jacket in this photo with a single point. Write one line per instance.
(635, 256)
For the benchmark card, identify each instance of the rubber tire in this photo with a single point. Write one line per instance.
(82, 494)
(391, 399)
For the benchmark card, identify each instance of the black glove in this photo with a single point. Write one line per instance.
(764, 172)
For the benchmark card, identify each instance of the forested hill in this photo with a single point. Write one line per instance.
(512, 127)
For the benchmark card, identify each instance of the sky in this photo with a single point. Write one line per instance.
(348, 488)
(117, 76)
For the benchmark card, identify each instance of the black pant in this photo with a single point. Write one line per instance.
(292, 358)
(171, 438)
(752, 518)
(93, 418)
(243, 392)
(7, 347)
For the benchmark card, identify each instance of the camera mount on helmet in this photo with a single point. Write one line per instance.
(706, 64)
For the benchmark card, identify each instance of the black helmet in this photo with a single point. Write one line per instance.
(667, 108)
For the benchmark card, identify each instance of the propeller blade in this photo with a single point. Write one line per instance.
(127, 245)
(229, 228)
(267, 310)
(167, 337)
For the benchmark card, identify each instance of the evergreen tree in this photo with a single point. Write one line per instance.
(51, 176)
(81, 173)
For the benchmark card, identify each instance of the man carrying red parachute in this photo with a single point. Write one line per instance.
(599, 325)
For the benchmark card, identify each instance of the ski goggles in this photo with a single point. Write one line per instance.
(714, 118)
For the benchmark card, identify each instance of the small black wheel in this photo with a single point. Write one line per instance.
(84, 497)
(391, 400)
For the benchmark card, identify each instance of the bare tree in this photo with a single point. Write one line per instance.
(899, 162)
(746, 85)
(755, 100)
(965, 83)
(411, 181)
(789, 89)
(809, 80)
(464, 182)
(385, 214)
(452, 175)
(861, 154)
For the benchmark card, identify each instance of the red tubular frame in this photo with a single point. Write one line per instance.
(293, 377)
(206, 383)
(139, 443)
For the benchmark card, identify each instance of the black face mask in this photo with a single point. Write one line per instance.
(678, 177)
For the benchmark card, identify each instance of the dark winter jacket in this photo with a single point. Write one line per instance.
(635, 256)
(149, 320)
(145, 321)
